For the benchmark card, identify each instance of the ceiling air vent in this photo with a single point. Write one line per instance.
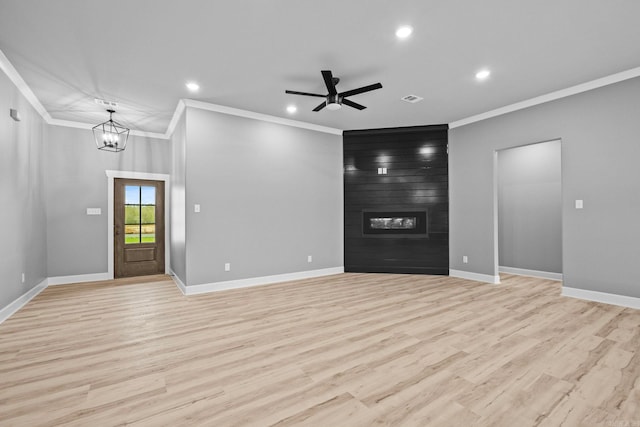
(110, 104)
(412, 98)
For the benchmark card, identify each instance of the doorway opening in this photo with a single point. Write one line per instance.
(112, 175)
(529, 210)
(138, 227)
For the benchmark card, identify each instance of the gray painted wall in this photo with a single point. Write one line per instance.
(270, 195)
(75, 180)
(530, 207)
(23, 236)
(600, 134)
(178, 208)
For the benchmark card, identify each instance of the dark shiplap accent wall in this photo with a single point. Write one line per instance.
(417, 178)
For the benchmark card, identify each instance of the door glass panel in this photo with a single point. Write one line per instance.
(131, 194)
(148, 233)
(148, 215)
(131, 234)
(131, 214)
(148, 195)
(140, 214)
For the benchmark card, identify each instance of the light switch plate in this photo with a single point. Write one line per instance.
(94, 211)
(196, 208)
(579, 204)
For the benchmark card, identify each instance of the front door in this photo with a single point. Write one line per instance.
(138, 228)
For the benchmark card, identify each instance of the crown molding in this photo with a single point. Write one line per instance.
(559, 94)
(16, 79)
(69, 124)
(81, 125)
(259, 116)
(7, 67)
(175, 119)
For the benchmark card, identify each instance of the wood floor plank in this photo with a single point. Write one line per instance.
(352, 349)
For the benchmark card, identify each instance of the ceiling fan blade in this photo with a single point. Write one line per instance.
(295, 92)
(321, 106)
(361, 90)
(353, 104)
(328, 80)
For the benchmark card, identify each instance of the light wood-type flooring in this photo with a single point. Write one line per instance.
(344, 350)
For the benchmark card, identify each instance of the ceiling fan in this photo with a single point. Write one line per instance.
(334, 100)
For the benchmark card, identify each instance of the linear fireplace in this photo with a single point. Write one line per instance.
(406, 223)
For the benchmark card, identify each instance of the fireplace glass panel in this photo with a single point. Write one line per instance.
(394, 223)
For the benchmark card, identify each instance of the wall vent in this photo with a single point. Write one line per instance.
(412, 98)
(110, 104)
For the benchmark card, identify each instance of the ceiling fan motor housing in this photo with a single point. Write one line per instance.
(334, 99)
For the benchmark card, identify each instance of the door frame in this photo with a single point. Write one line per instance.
(111, 176)
(496, 237)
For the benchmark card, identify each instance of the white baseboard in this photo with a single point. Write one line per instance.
(531, 273)
(495, 280)
(178, 282)
(621, 300)
(21, 301)
(80, 278)
(257, 281)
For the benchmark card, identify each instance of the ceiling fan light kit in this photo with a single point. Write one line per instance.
(333, 99)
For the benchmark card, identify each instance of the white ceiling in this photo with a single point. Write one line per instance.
(245, 53)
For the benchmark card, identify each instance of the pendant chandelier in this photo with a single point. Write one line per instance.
(111, 135)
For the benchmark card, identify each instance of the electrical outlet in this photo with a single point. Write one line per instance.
(227, 266)
(309, 258)
(23, 278)
(465, 259)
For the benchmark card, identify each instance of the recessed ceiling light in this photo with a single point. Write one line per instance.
(404, 32)
(292, 109)
(193, 86)
(483, 74)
